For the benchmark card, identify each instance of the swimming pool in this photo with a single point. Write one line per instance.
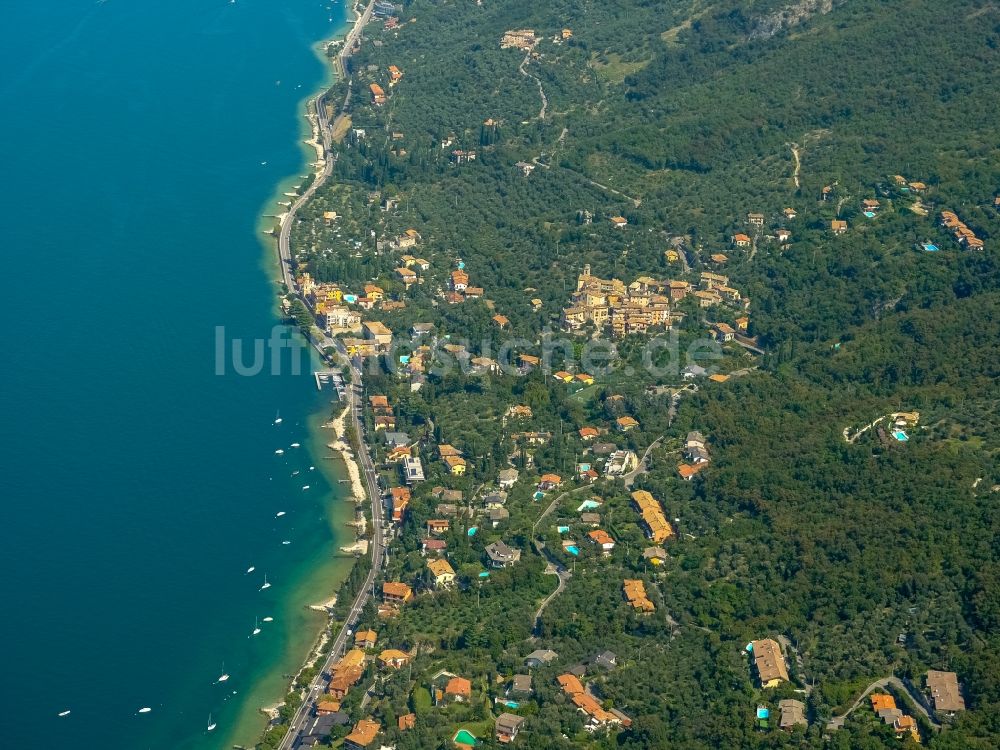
(900, 436)
(562, 529)
(869, 214)
(539, 495)
(930, 248)
(473, 530)
(572, 549)
(512, 704)
(485, 574)
(763, 712)
(588, 505)
(464, 737)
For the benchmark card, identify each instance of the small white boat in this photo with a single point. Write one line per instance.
(295, 473)
(279, 452)
(64, 713)
(305, 487)
(211, 724)
(268, 619)
(256, 627)
(145, 710)
(286, 542)
(312, 468)
(295, 445)
(251, 569)
(279, 514)
(265, 586)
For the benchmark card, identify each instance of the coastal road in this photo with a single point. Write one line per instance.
(317, 687)
(340, 643)
(325, 132)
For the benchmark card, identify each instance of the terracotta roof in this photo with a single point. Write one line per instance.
(570, 684)
(458, 686)
(364, 732)
(600, 536)
(881, 701)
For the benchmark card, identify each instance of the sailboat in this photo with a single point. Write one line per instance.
(266, 584)
(211, 724)
(277, 417)
(279, 452)
(295, 445)
(251, 569)
(268, 619)
(224, 676)
(279, 514)
(64, 713)
(256, 627)
(145, 710)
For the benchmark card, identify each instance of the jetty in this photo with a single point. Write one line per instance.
(331, 377)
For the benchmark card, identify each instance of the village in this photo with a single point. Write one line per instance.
(483, 495)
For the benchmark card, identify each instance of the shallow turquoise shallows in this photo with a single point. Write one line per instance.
(140, 140)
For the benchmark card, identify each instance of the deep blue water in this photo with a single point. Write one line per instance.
(137, 486)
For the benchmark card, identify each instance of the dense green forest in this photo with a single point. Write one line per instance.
(866, 559)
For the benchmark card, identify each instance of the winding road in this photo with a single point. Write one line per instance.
(838, 721)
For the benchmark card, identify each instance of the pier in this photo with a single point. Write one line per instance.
(331, 377)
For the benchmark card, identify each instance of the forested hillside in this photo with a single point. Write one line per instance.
(731, 138)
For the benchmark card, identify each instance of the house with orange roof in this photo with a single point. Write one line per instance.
(635, 593)
(603, 540)
(619, 222)
(455, 465)
(378, 94)
(326, 706)
(549, 482)
(570, 683)
(406, 722)
(769, 662)
(585, 378)
(687, 471)
(566, 377)
(597, 716)
(444, 574)
(459, 280)
(589, 433)
(400, 502)
(501, 320)
(658, 528)
(395, 75)
(904, 724)
(882, 702)
(393, 658)
(365, 639)
(394, 592)
(363, 735)
(438, 525)
(626, 423)
(740, 240)
(838, 226)
(458, 689)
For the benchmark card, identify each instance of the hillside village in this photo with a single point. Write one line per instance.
(548, 519)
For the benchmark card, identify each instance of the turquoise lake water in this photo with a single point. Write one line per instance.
(140, 141)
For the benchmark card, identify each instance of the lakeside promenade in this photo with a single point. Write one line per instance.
(300, 720)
